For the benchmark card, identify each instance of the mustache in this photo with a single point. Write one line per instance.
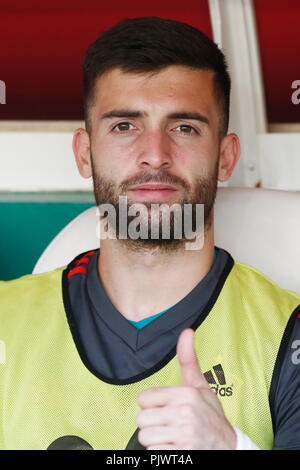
(157, 177)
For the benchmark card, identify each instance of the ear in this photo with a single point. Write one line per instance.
(82, 152)
(229, 156)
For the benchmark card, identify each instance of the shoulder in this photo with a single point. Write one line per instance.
(29, 288)
(285, 388)
(31, 280)
(252, 278)
(263, 296)
(18, 293)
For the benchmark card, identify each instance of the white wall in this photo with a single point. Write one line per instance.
(39, 161)
(280, 160)
(44, 161)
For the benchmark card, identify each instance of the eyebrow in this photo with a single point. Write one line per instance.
(129, 113)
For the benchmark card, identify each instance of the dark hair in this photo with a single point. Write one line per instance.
(149, 44)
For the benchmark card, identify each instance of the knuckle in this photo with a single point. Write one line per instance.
(142, 437)
(141, 398)
(140, 419)
(186, 411)
(145, 417)
(144, 395)
(191, 393)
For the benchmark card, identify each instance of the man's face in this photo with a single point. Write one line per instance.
(155, 138)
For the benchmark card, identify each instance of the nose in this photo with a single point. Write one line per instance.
(154, 150)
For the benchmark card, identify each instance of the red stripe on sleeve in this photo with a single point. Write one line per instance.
(90, 253)
(83, 260)
(77, 270)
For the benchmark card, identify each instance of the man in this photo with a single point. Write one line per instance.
(114, 359)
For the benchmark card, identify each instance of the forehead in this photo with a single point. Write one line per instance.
(172, 86)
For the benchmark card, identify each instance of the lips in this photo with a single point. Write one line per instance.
(153, 191)
(153, 187)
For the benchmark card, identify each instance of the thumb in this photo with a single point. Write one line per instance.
(191, 373)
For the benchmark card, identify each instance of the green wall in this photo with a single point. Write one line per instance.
(29, 221)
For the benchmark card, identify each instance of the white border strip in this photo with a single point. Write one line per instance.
(234, 28)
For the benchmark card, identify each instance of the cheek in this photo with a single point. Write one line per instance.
(111, 161)
(195, 158)
(112, 152)
(201, 163)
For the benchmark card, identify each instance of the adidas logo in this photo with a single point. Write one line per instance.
(217, 381)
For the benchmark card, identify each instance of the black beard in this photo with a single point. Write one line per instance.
(203, 192)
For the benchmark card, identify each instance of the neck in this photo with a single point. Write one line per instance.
(143, 283)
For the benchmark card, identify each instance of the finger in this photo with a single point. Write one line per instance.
(165, 396)
(159, 435)
(191, 373)
(161, 416)
(164, 447)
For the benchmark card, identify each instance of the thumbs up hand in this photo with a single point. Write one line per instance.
(184, 417)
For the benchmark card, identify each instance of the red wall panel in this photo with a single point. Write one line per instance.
(278, 24)
(42, 45)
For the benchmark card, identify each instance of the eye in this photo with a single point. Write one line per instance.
(186, 129)
(122, 126)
